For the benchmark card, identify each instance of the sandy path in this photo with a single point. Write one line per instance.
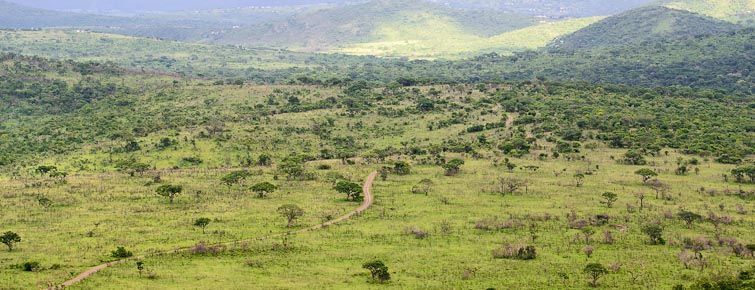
(366, 203)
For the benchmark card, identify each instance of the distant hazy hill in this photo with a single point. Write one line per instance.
(18, 16)
(742, 11)
(551, 8)
(643, 25)
(330, 28)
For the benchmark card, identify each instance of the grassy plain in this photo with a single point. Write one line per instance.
(222, 125)
(457, 255)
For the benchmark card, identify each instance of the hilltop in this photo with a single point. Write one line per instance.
(643, 25)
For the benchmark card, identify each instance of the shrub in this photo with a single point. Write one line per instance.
(31, 267)
(517, 252)
(655, 233)
(121, 253)
(378, 271)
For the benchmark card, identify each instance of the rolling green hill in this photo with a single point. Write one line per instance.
(742, 11)
(643, 25)
(328, 29)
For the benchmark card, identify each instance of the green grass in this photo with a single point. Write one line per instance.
(423, 35)
(731, 10)
(331, 258)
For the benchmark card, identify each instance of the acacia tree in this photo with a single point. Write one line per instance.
(453, 167)
(378, 271)
(169, 191)
(689, 217)
(509, 185)
(352, 190)
(291, 212)
(202, 223)
(655, 233)
(264, 188)
(609, 199)
(646, 174)
(595, 271)
(10, 239)
(235, 177)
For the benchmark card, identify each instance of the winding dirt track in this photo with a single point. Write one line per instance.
(366, 203)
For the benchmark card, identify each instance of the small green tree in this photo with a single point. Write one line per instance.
(453, 167)
(352, 190)
(378, 271)
(609, 198)
(402, 168)
(234, 178)
(595, 271)
(291, 212)
(655, 233)
(121, 253)
(689, 217)
(264, 188)
(10, 239)
(202, 223)
(169, 191)
(140, 267)
(646, 174)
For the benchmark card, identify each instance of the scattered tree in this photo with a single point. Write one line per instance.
(609, 198)
(169, 191)
(655, 233)
(402, 168)
(453, 167)
(509, 185)
(646, 174)
(264, 188)
(291, 212)
(202, 223)
(378, 271)
(121, 253)
(689, 217)
(10, 239)
(595, 271)
(352, 190)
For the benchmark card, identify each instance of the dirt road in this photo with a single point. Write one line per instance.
(366, 203)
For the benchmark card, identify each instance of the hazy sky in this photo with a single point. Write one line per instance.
(160, 5)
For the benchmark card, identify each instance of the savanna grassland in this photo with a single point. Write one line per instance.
(382, 144)
(488, 185)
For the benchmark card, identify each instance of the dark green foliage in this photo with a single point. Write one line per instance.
(401, 168)
(453, 167)
(378, 271)
(744, 280)
(264, 188)
(609, 198)
(31, 266)
(170, 191)
(634, 157)
(646, 174)
(745, 173)
(595, 271)
(10, 239)
(353, 191)
(121, 253)
(202, 223)
(655, 233)
(643, 25)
